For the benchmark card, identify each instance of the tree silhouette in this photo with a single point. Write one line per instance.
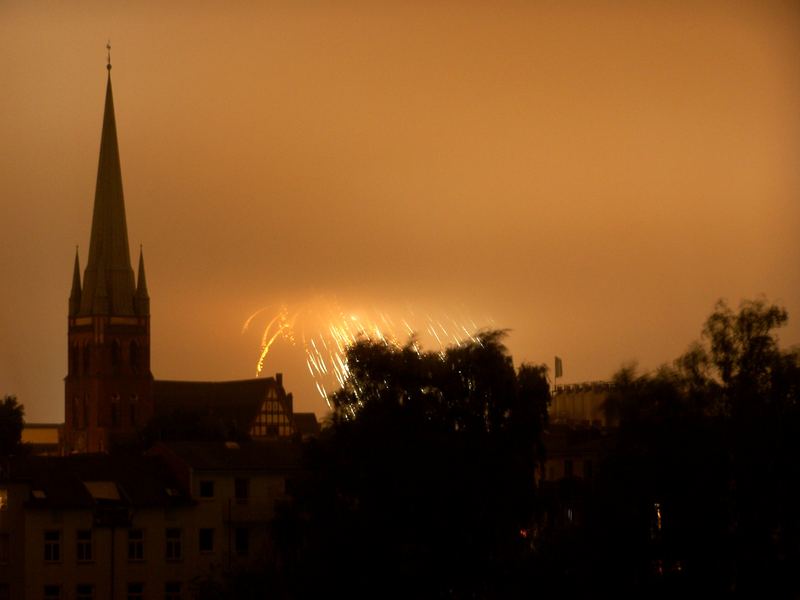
(11, 423)
(424, 478)
(712, 441)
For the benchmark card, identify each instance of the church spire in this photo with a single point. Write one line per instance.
(75, 293)
(109, 255)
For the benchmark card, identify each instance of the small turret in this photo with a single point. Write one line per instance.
(142, 299)
(75, 294)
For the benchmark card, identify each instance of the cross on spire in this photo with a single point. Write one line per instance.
(108, 49)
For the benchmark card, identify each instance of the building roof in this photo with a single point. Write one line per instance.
(280, 455)
(231, 403)
(89, 480)
(306, 424)
(108, 285)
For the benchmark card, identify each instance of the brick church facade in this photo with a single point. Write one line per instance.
(110, 392)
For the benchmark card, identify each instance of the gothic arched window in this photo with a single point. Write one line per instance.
(87, 359)
(116, 354)
(73, 359)
(135, 357)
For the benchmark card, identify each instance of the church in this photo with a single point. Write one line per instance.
(110, 392)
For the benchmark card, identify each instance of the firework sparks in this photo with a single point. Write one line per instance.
(325, 331)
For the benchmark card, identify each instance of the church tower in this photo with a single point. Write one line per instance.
(109, 386)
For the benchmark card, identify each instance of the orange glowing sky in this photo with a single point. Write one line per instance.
(592, 175)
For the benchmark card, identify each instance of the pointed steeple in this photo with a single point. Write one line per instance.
(109, 254)
(75, 293)
(142, 299)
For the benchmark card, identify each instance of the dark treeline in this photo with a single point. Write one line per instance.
(426, 481)
(423, 483)
(701, 488)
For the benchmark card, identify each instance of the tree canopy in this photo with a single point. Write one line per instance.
(423, 482)
(713, 440)
(12, 415)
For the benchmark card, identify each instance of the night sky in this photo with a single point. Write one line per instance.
(592, 176)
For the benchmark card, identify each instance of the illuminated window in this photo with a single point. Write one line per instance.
(206, 540)
(3, 499)
(271, 420)
(174, 549)
(52, 546)
(135, 544)
(83, 549)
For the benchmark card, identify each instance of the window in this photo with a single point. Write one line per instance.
(115, 354)
(135, 591)
(3, 499)
(206, 539)
(132, 407)
(272, 420)
(172, 590)
(241, 489)
(174, 551)
(73, 359)
(84, 545)
(568, 467)
(242, 541)
(587, 468)
(206, 489)
(52, 592)
(114, 411)
(4, 548)
(84, 591)
(52, 547)
(134, 356)
(135, 544)
(87, 359)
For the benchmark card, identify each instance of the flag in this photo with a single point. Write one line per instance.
(559, 368)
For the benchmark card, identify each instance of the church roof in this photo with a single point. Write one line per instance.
(306, 424)
(231, 403)
(109, 263)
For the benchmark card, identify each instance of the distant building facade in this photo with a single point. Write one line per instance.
(110, 392)
(92, 526)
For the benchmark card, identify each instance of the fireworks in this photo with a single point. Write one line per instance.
(323, 330)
